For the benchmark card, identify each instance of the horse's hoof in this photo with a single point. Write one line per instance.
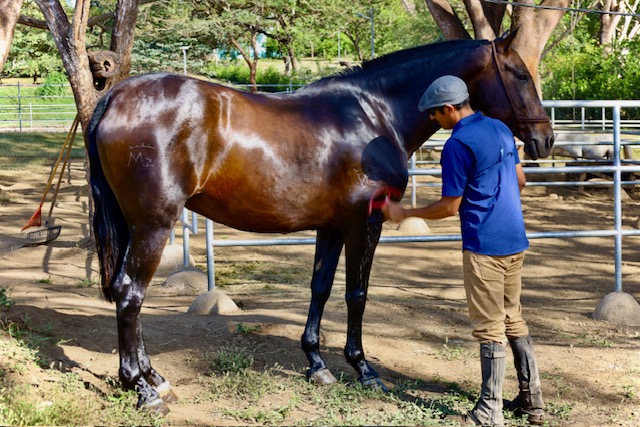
(166, 392)
(157, 406)
(374, 383)
(169, 396)
(322, 377)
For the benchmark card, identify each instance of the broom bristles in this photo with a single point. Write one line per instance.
(35, 220)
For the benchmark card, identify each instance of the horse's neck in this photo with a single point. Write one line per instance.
(404, 93)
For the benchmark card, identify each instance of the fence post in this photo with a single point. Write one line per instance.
(19, 108)
(211, 272)
(414, 201)
(617, 198)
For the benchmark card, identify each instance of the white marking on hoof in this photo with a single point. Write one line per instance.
(322, 377)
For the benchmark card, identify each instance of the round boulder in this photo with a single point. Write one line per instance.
(413, 226)
(172, 260)
(189, 280)
(213, 302)
(619, 308)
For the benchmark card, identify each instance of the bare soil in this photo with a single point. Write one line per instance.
(415, 327)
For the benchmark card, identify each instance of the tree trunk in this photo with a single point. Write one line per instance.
(287, 65)
(70, 41)
(295, 66)
(534, 25)
(608, 23)
(356, 45)
(482, 28)
(252, 63)
(535, 28)
(447, 20)
(409, 6)
(9, 14)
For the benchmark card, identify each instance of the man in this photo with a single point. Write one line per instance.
(482, 179)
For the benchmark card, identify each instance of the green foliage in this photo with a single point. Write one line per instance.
(32, 54)
(55, 84)
(398, 29)
(268, 397)
(589, 71)
(231, 358)
(5, 300)
(29, 336)
(54, 398)
(154, 56)
(270, 79)
(243, 329)
(584, 70)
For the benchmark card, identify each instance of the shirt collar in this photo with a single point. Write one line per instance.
(468, 120)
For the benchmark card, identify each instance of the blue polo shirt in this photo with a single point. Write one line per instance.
(479, 163)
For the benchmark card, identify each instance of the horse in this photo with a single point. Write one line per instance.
(319, 158)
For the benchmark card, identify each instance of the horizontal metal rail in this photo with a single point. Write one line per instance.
(615, 168)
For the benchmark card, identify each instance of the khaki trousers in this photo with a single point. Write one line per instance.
(493, 285)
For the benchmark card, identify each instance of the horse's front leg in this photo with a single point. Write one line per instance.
(328, 248)
(360, 247)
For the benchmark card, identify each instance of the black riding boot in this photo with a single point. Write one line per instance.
(488, 409)
(529, 401)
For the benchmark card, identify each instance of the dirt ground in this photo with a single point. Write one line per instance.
(415, 323)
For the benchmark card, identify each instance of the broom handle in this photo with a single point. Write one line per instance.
(70, 137)
(55, 168)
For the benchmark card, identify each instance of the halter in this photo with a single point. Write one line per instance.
(520, 118)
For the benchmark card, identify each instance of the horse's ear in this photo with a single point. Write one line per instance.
(503, 43)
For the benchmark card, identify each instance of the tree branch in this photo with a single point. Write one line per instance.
(482, 28)
(9, 13)
(126, 15)
(447, 20)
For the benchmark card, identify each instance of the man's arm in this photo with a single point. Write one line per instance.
(522, 180)
(445, 207)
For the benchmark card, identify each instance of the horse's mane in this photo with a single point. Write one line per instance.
(401, 60)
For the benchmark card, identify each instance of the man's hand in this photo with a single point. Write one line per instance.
(393, 211)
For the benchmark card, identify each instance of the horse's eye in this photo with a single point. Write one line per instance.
(523, 78)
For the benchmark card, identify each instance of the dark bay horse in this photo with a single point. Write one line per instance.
(312, 159)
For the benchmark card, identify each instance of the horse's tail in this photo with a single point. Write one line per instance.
(109, 225)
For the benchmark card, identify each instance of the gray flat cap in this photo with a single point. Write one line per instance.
(444, 90)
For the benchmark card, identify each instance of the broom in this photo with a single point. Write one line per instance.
(36, 218)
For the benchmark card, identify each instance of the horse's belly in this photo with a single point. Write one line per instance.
(266, 212)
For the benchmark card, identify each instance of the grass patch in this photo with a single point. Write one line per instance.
(87, 282)
(457, 352)
(267, 273)
(5, 300)
(44, 280)
(31, 395)
(272, 396)
(230, 359)
(591, 341)
(19, 150)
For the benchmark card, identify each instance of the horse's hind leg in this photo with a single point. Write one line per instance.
(328, 248)
(360, 246)
(142, 259)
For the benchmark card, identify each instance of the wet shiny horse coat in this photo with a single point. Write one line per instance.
(312, 159)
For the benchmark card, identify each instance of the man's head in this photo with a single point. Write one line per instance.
(444, 98)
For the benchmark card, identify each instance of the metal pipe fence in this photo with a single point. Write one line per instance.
(27, 112)
(613, 166)
(24, 109)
